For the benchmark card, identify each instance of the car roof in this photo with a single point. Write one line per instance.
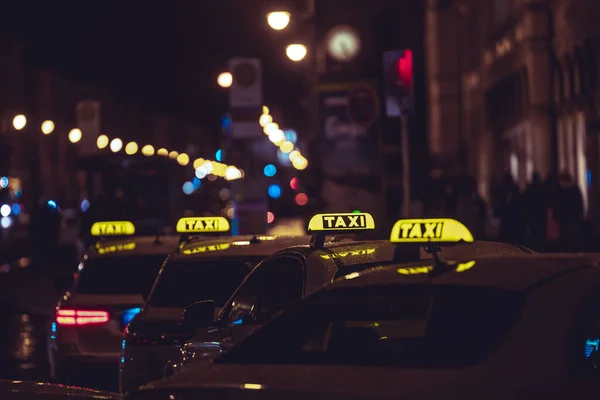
(353, 253)
(134, 246)
(237, 246)
(514, 273)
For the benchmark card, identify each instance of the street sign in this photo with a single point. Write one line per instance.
(363, 105)
(246, 97)
(246, 89)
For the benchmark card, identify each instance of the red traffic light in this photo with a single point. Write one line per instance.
(405, 68)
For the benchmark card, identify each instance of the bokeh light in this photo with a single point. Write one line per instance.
(225, 79)
(270, 170)
(188, 188)
(19, 122)
(102, 141)
(278, 20)
(274, 191)
(301, 199)
(131, 148)
(183, 159)
(116, 145)
(47, 127)
(296, 52)
(148, 150)
(75, 135)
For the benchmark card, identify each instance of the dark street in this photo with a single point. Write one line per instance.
(28, 298)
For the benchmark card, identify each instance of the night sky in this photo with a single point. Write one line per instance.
(164, 55)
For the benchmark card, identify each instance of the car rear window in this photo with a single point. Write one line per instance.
(185, 282)
(412, 327)
(119, 275)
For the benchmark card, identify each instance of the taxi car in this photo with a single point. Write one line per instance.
(291, 274)
(196, 271)
(516, 327)
(104, 294)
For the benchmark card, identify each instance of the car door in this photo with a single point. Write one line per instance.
(271, 287)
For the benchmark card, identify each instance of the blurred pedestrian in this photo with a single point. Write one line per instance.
(508, 208)
(536, 205)
(471, 208)
(569, 212)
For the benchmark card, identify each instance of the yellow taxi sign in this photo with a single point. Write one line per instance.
(113, 228)
(430, 230)
(202, 225)
(341, 222)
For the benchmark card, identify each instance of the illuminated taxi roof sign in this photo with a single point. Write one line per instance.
(323, 224)
(430, 230)
(202, 225)
(341, 222)
(113, 228)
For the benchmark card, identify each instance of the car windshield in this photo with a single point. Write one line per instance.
(425, 327)
(185, 282)
(119, 275)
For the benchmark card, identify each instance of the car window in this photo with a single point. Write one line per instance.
(272, 287)
(119, 275)
(384, 326)
(182, 283)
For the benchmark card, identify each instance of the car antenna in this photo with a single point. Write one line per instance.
(255, 240)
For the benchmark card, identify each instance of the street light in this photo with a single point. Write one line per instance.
(102, 141)
(148, 150)
(183, 159)
(75, 135)
(116, 145)
(19, 122)
(47, 127)
(296, 52)
(225, 79)
(131, 148)
(278, 20)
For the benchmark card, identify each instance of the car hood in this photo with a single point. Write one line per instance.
(13, 390)
(310, 382)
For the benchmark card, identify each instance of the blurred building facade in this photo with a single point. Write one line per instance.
(50, 166)
(512, 87)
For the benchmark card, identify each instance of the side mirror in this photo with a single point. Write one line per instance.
(63, 282)
(200, 314)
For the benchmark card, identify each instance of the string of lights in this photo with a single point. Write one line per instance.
(277, 137)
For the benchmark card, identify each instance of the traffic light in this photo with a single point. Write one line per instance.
(405, 70)
(399, 82)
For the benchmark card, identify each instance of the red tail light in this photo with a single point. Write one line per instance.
(81, 317)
